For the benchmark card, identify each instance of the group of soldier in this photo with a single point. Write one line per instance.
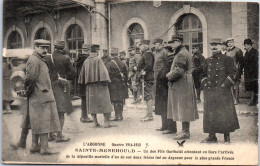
(167, 75)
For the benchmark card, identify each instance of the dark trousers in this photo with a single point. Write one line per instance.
(84, 113)
(168, 124)
(118, 107)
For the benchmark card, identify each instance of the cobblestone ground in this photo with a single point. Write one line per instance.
(131, 126)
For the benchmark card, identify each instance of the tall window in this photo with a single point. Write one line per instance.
(75, 38)
(43, 33)
(189, 26)
(135, 32)
(14, 40)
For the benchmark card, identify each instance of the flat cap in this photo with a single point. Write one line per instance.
(158, 41)
(122, 52)
(94, 48)
(86, 47)
(114, 51)
(248, 41)
(42, 42)
(228, 39)
(59, 44)
(224, 43)
(215, 41)
(147, 42)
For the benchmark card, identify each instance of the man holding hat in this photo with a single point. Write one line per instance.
(198, 60)
(117, 87)
(145, 70)
(182, 104)
(94, 76)
(237, 55)
(251, 71)
(81, 91)
(61, 70)
(219, 75)
(42, 106)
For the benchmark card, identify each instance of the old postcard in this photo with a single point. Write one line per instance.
(130, 82)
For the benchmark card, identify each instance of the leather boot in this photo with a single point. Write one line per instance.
(22, 141)
(35, 148)
(121, 108)
(210, 139)
(116, 108)
(149, 115)
(226, 138)
(96, 124)
(107, 123)
(61, 138)
(45, 150)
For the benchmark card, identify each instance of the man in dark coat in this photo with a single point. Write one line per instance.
(81, 91)
(61, 70)
(95, 77)
(161, 96)
(145, 70)
(219, 75)
(118, 74)
(182, 104)
(42, 106)
(251, 71)
(198, 60)
(237, 55)
(105, 58)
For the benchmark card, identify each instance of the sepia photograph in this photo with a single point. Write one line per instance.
(148, 82)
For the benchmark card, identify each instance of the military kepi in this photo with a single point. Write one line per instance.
(215, 41)
(86, 47)
(59, 44)
(248, 42)
(147, 42)
(42, 42)
(94, 48)
(176, 38)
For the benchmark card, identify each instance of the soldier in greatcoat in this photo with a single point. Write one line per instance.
(219, 75)
(81, 91)
(118, 86)
(251, 71)
(237, 55)
(145, 72)
(95, 77)
(61, 71)
(182, 104)
(42, 106)
(161, 96)
(198, 60)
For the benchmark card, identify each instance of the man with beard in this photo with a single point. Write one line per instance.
(219, 75)
(198, 60)
(251, 71)
(61, 70)
(237, 55)
(161, 96)
(118, 76)
(182, 104)
(42, 106)
(145, 70)
(81, 91)
(95, 77)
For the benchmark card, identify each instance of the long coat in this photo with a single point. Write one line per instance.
(95, 77)
(61, 65)
(161, 97)
(6, 90)
(219, 75)
(251, 70)
(182, 104)
(198, 60)
(118, 86)
(42, 106)
(237, 55)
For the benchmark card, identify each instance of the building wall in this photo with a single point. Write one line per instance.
(157, 20)
(253, 23)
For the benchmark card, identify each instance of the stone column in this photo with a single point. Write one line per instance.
(239, 22)
(99, 26)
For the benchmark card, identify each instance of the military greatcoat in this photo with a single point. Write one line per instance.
(42, 106)
(182, 104)
(219, 75)
(118, 85)
(61, 65)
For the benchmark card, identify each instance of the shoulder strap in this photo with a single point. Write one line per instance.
(116, 65)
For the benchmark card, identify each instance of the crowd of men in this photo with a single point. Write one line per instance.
(165, 74)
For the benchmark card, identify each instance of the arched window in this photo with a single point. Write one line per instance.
(43, 33)
(14, 40)
(189, 26)
(75, 38)
(135, 33)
